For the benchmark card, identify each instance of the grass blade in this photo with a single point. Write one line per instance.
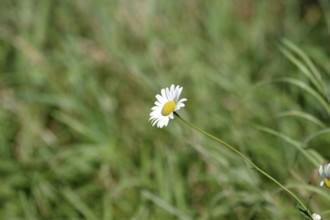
(306, 65)
(165, 205)
(308, 89)
(302, 115)
(294, 143)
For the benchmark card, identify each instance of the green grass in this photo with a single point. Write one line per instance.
(78, 79)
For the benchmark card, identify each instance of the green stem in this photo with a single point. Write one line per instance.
(247, 160)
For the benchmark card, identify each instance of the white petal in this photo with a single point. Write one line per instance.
(157, 108)
(155, 113)
(161, 105)
(155, 121)
(163, 91)
(167, 92)
(171, 93)
(322, 183)
(153, 116)
(166, 122)
(316, 216)
(178, 92)
(180, 104)
(327, 170)
(177, 107)
(160, 98)
(321, 171)
(162, 122)
(159, 122)
(181, 101)
(172, 89)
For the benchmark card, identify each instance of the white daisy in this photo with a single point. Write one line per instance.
(316, 216)
(325, 174)
(166, 104)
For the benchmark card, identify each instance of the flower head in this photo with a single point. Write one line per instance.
(325, 174)
(316, 216)
(166, 104)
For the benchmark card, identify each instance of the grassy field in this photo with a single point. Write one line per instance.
(78, 79)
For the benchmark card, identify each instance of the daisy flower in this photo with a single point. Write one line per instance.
(166, 104)
(316, 216)
(325, 174)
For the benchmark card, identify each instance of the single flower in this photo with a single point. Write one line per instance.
(316, 216)
(166, 104)
(325, 174)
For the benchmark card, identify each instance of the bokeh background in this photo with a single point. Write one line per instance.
(78, 79)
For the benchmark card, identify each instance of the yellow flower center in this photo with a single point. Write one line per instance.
(168, 108)
(327, 182)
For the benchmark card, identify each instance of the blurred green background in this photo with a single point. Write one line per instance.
(78, 79)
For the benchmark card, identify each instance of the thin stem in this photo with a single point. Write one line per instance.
(247, 160)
